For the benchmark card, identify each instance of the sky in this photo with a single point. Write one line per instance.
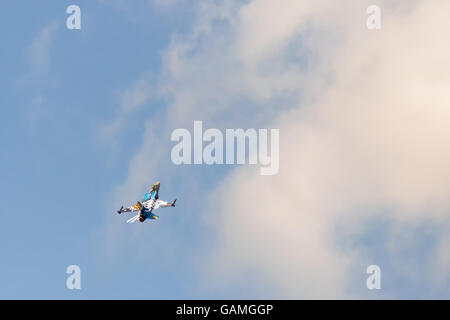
(87, 117)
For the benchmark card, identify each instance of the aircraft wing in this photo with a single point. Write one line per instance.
(153, 204)
(130, 209)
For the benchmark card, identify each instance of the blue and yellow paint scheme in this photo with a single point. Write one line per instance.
(149, 196)
(146, 213)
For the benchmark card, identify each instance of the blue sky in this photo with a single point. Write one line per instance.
(52, 158)
(87, 118)
(56, 101)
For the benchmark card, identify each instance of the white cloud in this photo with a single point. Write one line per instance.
(130, 101)
(366, 127)
(38, 57)
(165, 4)
(40, 48)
